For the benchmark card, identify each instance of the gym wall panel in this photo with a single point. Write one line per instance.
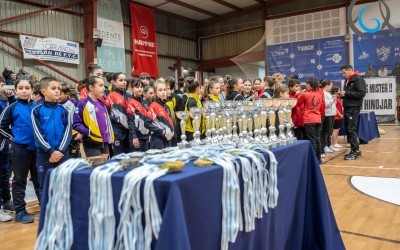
(51, 24)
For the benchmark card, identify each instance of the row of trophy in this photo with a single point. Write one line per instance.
(241, 122)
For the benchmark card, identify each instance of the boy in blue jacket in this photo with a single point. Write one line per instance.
(52, 129)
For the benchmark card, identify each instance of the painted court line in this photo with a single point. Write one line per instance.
(340, 166)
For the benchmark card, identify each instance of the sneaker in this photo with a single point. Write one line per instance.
(338, 146)
(334, 149)
(327, 150)
(23, 217)
(4, 216)
(323, 155)
(348, 145)
(9, 205)
(353, 155)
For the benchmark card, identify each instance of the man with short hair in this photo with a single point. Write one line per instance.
(352, 95)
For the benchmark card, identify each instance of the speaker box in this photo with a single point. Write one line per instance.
(99, 41)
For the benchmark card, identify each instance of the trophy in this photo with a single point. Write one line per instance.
(289, 124)
(267, 103)
(272, 119)
(282, 118)
(182, 115)
(258, 106)
(196, 115)
(250, 121)
(208, 109)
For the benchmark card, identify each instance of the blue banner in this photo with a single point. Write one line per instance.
(381, 48)
(321, 58)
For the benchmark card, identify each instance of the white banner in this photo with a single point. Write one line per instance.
(50, 49)
(381, 95)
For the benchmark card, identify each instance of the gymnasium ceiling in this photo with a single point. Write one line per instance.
(202, 10)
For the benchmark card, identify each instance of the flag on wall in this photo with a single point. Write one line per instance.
(144, 46)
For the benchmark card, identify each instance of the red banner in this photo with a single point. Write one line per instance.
(144, 44)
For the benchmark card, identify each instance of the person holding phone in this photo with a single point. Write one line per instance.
(353, 94)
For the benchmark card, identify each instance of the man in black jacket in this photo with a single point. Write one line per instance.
(352, 95)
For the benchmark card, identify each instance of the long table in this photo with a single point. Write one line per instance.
(190, 204)
(367, 128)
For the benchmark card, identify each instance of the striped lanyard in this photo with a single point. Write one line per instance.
(101, 210)
(57, 231)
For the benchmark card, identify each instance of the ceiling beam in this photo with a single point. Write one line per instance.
(41, 5)
(260, 1)
(229, 5)
(163, 12)
(36, 12)
(276, 3)
(189, 6)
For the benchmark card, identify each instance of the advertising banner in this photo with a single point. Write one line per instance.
(111, 54)
(321, 58)
(144, 44)
(50, 49)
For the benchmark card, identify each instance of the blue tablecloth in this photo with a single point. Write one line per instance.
(367, 129)
(190, 203)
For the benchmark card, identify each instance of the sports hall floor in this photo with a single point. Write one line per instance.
(365, 222)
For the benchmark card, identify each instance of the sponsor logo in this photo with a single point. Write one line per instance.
(280, 51)
(72, 44)
(305, 48)
(144, 32)
(336, 58)
(380, 23)
(363, 56)
(383, 53)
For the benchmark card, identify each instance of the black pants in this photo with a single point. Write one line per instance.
(158, 142)
(312, 133)
(351, 121)
(298, 133)
(5, 173)
(43, 165)
(327, 129)
(121, 142)
(321, 136)
(23, 162)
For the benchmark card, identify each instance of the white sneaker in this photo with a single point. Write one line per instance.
(327, 150)
(348, 145)
(323, 155)
(338, 146)
(4, 216)
(334, 149)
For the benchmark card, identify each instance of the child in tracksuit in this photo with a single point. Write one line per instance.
(92, 122)
(6, 97)
(117, 102)
(297, 113)
(23, 150)
(70, 105)
(310, 103)
(137, 113)
(161, 124)
(52, 129)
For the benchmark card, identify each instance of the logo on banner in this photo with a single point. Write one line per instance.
(363, 56)
(383, 53)
(336, 58)
(144, 32)
(280, 51)
(379, 24)
(106, 2)
(108, 26)
(109, 54)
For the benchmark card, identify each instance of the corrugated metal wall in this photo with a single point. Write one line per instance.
(52, 24)
(225, 45)
(300, 5)
(231, 44)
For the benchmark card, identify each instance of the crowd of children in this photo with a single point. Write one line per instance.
(46, 125)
